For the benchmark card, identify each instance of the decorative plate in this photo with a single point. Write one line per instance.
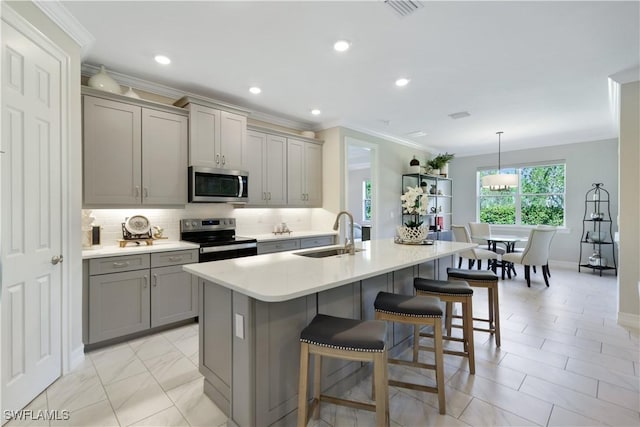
(137, 224)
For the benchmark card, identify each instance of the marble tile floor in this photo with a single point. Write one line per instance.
(564, 361)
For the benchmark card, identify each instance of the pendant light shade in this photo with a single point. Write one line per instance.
(500, 181)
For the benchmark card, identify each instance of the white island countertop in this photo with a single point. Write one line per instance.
(284, 276)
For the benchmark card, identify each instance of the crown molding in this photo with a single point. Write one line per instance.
(169, 92)
(626, 76)
(371, 132)
(68, 23)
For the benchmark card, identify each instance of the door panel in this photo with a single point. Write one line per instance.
(276, 176)
(31, 218)
(254, 163)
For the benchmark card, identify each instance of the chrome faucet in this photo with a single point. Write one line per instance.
(349, 244)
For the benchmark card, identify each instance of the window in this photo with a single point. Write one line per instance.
(539, 198)
(366, 200)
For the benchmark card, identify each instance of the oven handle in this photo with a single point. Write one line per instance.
(241, 186)
(228, 247)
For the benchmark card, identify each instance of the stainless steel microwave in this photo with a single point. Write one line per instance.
(210, 185)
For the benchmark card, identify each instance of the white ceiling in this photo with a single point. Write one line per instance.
(535, 70)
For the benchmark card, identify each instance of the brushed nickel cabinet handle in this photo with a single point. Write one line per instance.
(223, 161)
(217, 158)
(146, 282)
(137, 188)
(155, 280)
(119, 264)
(146, 192)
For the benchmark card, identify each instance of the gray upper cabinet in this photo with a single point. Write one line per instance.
(304, 173)
(266, 163)
(133, 155)
(217, 138)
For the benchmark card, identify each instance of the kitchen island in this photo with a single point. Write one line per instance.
(252, 311)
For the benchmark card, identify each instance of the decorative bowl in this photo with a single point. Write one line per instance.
(412, 234)
(597, 216)
(597, 260)
(597, 236)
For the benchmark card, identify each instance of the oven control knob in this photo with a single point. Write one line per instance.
(194, 223)
(187, 224)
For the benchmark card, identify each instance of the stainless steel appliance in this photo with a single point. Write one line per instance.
(217, 185)
(217, 238)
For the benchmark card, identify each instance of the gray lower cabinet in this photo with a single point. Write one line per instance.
(132, 293)
(118, 304)
(293, 244)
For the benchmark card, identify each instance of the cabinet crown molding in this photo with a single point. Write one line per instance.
(190, 99)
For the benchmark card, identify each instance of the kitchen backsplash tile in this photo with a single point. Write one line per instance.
(249, 221)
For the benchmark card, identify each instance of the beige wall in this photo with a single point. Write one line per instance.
(72, 302)
(629, 277)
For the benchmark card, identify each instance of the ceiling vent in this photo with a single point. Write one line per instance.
(460, 115)
(417, 134)
(404, 7)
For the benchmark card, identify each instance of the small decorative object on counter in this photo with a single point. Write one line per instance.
(103, 81)
(87, 229)
(157, 232)
(281, 228)
(414, 202)
(136, 229)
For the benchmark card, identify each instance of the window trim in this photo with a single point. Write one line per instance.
(517, 196)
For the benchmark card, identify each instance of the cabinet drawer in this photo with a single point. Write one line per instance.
(164, 259)
(312, 242)
(118, 263)
(279, 246)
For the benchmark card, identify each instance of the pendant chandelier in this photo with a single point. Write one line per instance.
(500, 181)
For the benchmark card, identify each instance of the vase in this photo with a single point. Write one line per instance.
(411, 234)
(103, 81)
(435, 172)
(444, 170)
(131, 94)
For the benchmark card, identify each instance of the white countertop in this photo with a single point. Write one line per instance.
(283, 276)
(131, 249)
(294, 235)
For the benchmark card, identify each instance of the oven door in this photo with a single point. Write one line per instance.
(217, 185)
(217, 253)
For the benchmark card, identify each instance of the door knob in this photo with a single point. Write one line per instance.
(56, 259)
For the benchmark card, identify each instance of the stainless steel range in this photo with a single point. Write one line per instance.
(217, 238)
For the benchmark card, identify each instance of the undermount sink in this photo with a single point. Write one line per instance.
(323, 253)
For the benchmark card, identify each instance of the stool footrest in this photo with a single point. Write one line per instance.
(478, 319)
(412, 386)
(411, 363)
(427, 335)
(491, 330)
(347, 402)
(445, 351)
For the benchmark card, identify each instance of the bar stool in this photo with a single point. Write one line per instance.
(417, 311)
(452, 292)
(347, 339)
(482, 279)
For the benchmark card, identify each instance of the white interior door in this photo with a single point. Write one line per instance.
(30, 217)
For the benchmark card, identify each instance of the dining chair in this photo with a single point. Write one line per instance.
(461, 234)
(483, 229)
(535, 253)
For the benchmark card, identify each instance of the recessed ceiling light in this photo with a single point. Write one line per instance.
(255, 90)
(161, 59)
(341, 45)
(402, 82)
(316, 112)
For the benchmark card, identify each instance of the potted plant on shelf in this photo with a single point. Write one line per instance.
(414, 202)
(440, 164)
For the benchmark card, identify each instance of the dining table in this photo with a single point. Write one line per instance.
(509, 241)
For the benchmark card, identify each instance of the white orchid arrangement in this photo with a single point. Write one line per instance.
(414, 202)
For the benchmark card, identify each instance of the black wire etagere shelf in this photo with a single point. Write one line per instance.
(597, 232)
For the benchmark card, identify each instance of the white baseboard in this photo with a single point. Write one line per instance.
(629, 320)
(563, 264)
(77, 357)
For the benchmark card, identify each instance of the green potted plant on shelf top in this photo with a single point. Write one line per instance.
(440, 164)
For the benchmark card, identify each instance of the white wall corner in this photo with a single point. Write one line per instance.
(629, 320)
(76, 358)
(68, 23)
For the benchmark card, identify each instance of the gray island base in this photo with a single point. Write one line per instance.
(253, 309)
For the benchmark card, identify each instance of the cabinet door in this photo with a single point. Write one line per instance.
(275, 156)
(174, 295)
(118, 304)
(204, 136)
(313, 174)
(233, 140)
(295, 172)
(254, 163)
(164, 158)
(112, 150)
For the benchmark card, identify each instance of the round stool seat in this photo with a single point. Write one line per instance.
(479, 276)
(408, 305)
(345, 334)
(444, 287)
